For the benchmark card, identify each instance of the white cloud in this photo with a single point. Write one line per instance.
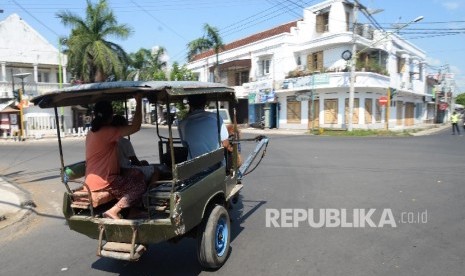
(451, 5)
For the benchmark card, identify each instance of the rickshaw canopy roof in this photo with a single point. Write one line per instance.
(154, 91)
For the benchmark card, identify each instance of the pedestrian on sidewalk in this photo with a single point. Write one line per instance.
(454, 118)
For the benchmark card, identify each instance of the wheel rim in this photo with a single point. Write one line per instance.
(221, 237)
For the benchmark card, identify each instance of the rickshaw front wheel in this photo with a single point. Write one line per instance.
(213, 238)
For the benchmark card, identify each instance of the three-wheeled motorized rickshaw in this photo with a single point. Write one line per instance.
(191, 198)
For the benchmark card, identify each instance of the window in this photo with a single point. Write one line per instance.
(322, 22)
(378, 112)
(368, 111)
(265, 67)
(293, 110)
(354, 113)
(331, 111)
(43, 77)
(241, 77)
(315, 62)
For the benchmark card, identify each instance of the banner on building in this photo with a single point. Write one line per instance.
(263, 96)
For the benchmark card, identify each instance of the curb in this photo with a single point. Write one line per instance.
(17, 203)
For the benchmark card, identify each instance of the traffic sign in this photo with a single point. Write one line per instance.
(383, 100)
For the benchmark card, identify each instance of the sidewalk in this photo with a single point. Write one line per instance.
(16, 203)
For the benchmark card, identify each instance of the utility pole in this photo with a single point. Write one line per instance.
(388, 108)
(60, 85)
(352, 68)
(21, 91)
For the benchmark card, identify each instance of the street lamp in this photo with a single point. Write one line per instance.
(354, 60)
(22, 76)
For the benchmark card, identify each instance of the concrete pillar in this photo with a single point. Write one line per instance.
(36, 72)
(64, 74)
(53, 75)
(3, 76)
(406, 72)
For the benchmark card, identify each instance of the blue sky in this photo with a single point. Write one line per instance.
(173, 23)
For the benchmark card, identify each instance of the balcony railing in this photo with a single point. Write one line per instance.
(336, 79)
(30, 89)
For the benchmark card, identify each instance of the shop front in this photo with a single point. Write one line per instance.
(9, 122)
(263, 109)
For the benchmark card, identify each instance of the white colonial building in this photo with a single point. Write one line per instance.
(297, 75)
(28, 60)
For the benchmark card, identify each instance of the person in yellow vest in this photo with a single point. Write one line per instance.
(454, 118)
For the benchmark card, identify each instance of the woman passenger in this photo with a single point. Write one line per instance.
(102, 167)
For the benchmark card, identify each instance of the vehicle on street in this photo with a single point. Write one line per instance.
(224, 114)
(192, 198)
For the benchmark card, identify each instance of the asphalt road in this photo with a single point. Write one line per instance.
(404, 177)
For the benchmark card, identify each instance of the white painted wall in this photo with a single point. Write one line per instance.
(284, 49)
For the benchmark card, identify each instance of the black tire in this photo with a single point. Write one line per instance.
(213, 238)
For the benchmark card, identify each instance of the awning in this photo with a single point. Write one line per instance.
(234, 65)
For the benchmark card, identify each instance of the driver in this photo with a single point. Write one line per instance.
(199, 130)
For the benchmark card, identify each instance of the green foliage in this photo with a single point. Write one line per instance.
(371, 65)
(91, 57)
(147, 65)
(182, 111)
(212, 40)
(460, 99)
(118, 108)
(181, 73)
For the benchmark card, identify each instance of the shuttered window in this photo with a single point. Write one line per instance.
(315, 62)
(293, 110)
(378, 112)
(354, 114)
(368, 111)
(322, 22)
(331, 111)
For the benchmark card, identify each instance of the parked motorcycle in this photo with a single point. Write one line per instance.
(260, 124)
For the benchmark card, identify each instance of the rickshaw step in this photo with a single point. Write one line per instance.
(122, 251)
(82, 205)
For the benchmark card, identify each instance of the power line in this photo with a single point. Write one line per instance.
(158, 20)
(39, 21)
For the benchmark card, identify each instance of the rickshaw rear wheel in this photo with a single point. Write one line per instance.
(213, 238)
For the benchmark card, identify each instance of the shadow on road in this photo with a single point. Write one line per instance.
(180, 258)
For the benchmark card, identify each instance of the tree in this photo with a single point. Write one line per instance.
(181, 73)
(148, 64)
(460, 99)
(91, 57)
(212, 41)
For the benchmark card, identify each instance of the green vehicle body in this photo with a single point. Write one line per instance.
(195, 187)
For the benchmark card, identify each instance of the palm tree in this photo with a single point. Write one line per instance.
(148, 64)
(199, 45)
(138, 63)
(91, 57)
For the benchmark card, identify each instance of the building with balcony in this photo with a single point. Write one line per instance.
(29, 61)
(297, 75)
